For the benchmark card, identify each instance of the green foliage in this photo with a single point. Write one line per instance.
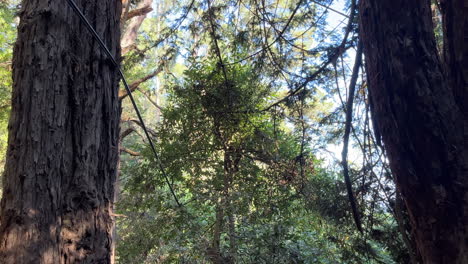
(7, 37)
(285, 208)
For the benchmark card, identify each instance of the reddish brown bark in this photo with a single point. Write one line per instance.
(420, 112)
(63, 144)
(131, 30)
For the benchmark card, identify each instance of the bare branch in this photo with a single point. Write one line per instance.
(138, 12)
(130, 35)
(126, 132)
(337, 52)
(344, 153)
(149, 99)
(130, 152)
(329, 8)
(6, 64)
(137, 122)
(125, 8)
(135, 84)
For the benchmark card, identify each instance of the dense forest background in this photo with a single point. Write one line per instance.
(261, 117)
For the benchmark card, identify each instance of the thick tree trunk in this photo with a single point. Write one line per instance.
(63, 144)
(418, 111)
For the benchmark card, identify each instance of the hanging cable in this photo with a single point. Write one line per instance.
(129, 92)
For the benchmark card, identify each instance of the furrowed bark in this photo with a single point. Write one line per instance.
(63, 136)
(421, 121)
(455, 53)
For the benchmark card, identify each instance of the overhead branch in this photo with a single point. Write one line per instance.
(306, 81)
(138, 12)
(272, 55)
(329, 8)
(172, 30)
(280, 34)
(215, 41)
(131, 152)
(313, 25)
(331, 59)
(7, 65)
(125, 9)
(130, 35)
(137, 83)
(137, 122)
(344, 153)
(126, 132)
(148, 96)
(164, 59)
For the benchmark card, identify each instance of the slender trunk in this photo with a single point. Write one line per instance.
(231, 161)
(232, 235)
(419, 108)
(63, 137)
(214, 252)
(224, 208)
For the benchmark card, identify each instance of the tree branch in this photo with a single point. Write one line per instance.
(126, 132)
(149, 99)
(130, 35)
(137, 122)
(336, 53)
(138, 12)
(135, 84)
(349, 118)
(130, 152)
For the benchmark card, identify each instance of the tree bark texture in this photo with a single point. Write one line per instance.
(418, 107)
(63, 136)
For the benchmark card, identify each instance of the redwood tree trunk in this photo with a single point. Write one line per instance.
(419, 105)
(63, 145)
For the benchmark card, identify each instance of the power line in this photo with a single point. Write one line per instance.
(127, 88)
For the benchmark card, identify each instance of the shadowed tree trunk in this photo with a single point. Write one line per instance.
(63, 136)
(419, 103)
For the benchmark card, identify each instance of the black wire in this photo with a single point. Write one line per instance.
(127, 88)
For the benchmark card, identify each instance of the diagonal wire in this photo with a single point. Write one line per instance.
(129, 92)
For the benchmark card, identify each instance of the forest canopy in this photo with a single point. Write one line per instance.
(263, 135)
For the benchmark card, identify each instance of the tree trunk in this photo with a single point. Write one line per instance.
(63, 136)
(418, 109)
(231, 166)
(214, 252)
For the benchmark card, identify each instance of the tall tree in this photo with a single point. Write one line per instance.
(419, 103)
(63, 136)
